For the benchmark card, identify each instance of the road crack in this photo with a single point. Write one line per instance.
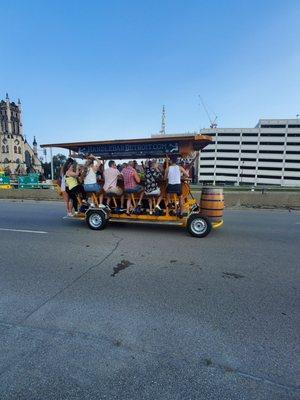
(73, 281)
(120, 343)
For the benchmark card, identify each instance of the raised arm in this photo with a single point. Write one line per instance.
(184, 172)
(166, 173)
(96, 164)
(71, 172)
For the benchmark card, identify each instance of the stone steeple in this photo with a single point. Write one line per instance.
(15, 152)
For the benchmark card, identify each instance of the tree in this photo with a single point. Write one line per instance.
(58, 161)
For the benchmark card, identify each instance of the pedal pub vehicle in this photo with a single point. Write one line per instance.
(197, 217)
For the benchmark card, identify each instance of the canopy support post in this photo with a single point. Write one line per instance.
(52, 169)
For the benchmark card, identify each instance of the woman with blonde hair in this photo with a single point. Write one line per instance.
(73, 187)
(89, 174)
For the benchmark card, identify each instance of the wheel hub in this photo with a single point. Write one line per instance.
(95, 220)
(199, 226)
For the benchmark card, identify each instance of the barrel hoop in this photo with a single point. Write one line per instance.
(206, 207)
(213, 215)
(213, 194)
(212, 209)
(212, 200)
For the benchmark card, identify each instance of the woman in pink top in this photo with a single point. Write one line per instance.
(111, 175)
(131, 185)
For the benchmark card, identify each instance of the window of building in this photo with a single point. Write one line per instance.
(293, 144)
(294, 126)
(293, 134)
(3, 149)
(225, 174)
(7, 149)
(292, 152)
(271, 143)
(207, 166)
(272, 134)
(250, 134)
(227, 166)
(15, 149)
(269, 176)
(247, 159)
(247, 175)
(296, 178)
(269, 168)
(270, 159)
(249, 142)
(292, 169)
(227, 158)
(272, 126)
(207, 158)
(271, 151)
(19, 150)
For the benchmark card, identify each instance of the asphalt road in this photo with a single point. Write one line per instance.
(187, 318)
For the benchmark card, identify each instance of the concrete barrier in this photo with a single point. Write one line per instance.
(29, 194)
(232, 199)
(282, 199)
(267, 200)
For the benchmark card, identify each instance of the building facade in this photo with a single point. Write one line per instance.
(268, 154)
(16, 156)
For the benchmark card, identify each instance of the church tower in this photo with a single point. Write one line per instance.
(35, 146)
(16, 156)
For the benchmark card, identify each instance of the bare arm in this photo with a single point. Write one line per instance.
(166, 173)
(96, 164)
(137, 177)
(184, 172)
(70, 172)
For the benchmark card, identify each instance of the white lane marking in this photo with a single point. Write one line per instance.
(21, 230)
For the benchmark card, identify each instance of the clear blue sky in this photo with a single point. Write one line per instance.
(103, 69)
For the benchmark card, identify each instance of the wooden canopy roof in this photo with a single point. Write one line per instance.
(138, 148)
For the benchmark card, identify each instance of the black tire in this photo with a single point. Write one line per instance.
(96, 220)
(198, 225)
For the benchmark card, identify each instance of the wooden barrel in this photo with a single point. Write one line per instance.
(212, 203)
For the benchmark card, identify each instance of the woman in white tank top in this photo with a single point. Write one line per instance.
(90, 178)
(173, 177)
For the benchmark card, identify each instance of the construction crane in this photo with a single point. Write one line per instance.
(213, 122)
